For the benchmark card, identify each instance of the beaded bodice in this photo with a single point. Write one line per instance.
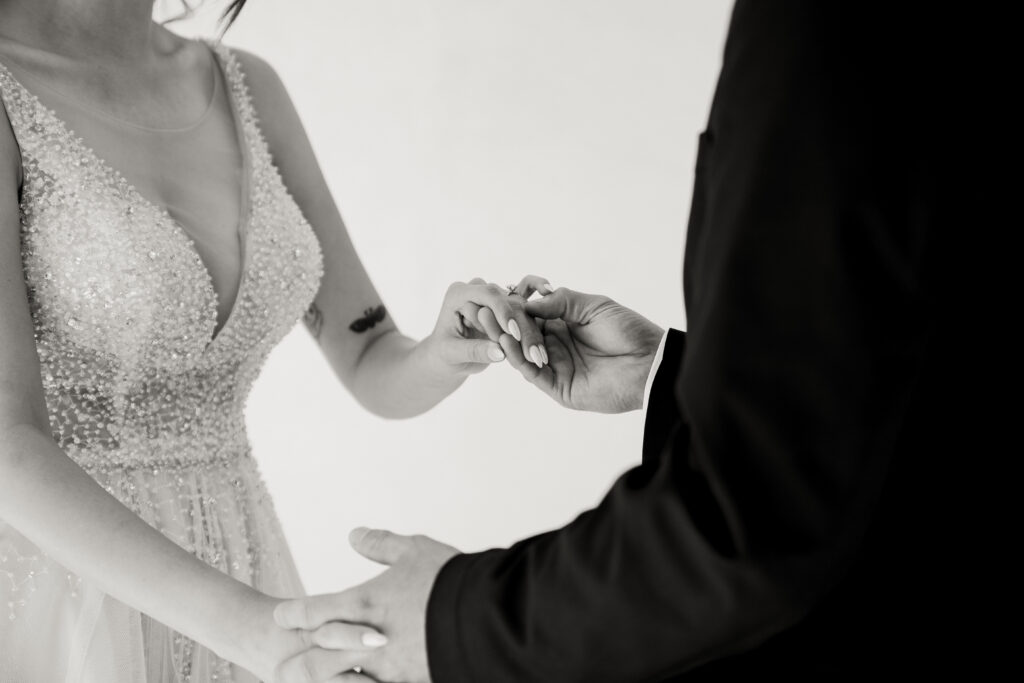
(124, 308)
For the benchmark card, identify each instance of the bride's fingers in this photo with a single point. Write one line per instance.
(509, 311)
(534, 283)
(481, 352)
(542, 378)
(532, 340)
(486, 320)
(467, 314)
(472, 352)
(471, 314)
(338, 635)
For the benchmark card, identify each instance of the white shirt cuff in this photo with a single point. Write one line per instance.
(654, 371)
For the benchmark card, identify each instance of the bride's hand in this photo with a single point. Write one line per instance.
(265, 645)
(476, 314)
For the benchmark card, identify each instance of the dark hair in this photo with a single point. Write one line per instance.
(231, 13)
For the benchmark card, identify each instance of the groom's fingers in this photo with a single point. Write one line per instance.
(353, 605)
(379, 545)
(534, 283)
(317, 665)
(574, 307)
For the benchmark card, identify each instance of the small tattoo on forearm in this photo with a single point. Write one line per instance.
(314, 319)
(371, 316)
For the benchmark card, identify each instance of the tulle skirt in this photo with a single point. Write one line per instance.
(57, 627)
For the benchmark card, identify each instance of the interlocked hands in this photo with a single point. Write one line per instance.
(585, 351)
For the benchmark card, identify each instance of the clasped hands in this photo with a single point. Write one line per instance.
(586, 352)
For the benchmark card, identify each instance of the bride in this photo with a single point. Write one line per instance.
(163, 224)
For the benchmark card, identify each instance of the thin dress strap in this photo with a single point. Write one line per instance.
(239, 89)
(7, 89)
(19, 104)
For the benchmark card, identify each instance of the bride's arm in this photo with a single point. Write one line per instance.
(389, 373)
(56, 505)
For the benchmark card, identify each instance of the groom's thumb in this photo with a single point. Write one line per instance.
(562, 304)
(378, 545)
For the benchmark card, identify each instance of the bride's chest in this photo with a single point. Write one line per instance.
(109, 273)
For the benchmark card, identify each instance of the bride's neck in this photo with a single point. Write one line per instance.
(97, 30)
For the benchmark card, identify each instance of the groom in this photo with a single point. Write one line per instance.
(799, 496)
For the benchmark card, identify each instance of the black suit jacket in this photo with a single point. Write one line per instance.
(800, 507)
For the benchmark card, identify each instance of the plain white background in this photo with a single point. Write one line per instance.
(466, 138)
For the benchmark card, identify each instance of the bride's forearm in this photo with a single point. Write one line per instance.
(398, 377)
(60, 508)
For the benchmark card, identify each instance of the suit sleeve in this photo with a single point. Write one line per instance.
(773, 421)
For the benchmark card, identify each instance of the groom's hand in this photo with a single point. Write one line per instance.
(394, 602)
(600, 353)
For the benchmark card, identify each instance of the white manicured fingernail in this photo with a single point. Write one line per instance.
(545, 288)
(535, 355)
(374, 639)
(495, 353)
(544, 354)
(513, 327)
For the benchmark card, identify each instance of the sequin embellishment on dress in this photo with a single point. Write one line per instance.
(141, 393)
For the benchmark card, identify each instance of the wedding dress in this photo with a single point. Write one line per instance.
(143, 391)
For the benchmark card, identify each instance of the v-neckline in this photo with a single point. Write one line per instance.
(133, 194)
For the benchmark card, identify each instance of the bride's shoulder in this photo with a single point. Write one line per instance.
(273, 106)
(267, 90)
(261, 78)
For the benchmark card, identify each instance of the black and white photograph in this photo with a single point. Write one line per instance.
(502, 341)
